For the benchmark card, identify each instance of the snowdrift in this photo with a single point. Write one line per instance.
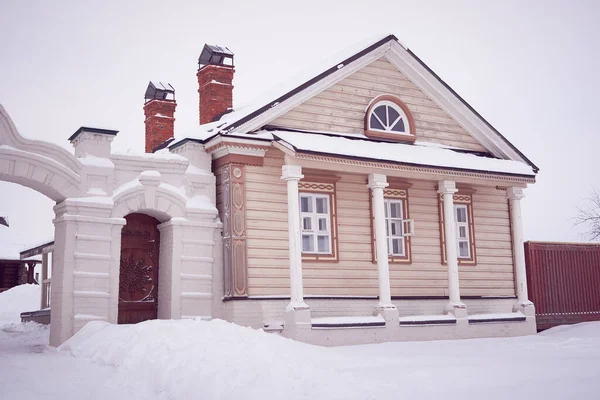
(17, 300)
(217, 360)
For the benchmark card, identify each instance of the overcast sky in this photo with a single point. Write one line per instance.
(529, 67)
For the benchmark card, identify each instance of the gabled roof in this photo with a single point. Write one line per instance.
(271, 106)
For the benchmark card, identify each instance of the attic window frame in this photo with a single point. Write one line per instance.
(389, 100)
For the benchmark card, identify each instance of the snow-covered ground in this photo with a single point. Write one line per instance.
(219, 360)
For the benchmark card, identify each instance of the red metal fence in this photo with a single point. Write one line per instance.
(563, 281)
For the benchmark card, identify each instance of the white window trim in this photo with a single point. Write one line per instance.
(466, 225)
(388, 222)
(314, 216)
(389, 127)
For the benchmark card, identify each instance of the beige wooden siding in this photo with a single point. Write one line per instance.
(355, 274)
(341, 108)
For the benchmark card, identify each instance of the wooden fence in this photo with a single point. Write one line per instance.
(563, 281)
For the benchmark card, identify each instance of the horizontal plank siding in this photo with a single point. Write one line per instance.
(341, 108)
(355, 274)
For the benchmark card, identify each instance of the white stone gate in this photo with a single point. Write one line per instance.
(94, 190)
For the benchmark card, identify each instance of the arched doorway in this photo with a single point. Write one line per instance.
(138, 275)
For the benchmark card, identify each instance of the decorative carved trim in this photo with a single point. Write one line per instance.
(463, 196)
(233, 215)
(392, 193)
(416, 169)
(330, 189)
(397, 137)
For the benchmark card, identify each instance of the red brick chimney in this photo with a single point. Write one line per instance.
(215, 77)
(159, 110)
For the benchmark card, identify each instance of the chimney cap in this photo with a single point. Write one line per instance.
(215, 55)
(159, 91)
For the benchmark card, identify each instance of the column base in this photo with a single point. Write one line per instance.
(297, 314)
(389, 312)
(526, 307)
(458, 309)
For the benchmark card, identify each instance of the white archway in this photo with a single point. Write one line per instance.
(42, 166)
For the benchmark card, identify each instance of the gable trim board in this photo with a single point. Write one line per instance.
(408, 64)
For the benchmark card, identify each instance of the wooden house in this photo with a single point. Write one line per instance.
(370, 194)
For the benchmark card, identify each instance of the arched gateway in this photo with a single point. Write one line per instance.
(138, 275)
(137, 237)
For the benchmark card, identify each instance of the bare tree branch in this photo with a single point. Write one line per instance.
(590, 216)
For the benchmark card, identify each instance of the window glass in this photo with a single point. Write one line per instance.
(307, 243)
(323, 243)
(463, 249)
(397, 246)
(381, 113)
(307, 223)
(396, 228)
(399, 127)
(305, 204)
(462, 232)
(323, 224)
(393, 115)
(461, 214)
(375, 124)
(321, 205)
(396, 210)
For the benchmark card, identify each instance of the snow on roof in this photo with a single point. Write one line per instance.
(400, 153)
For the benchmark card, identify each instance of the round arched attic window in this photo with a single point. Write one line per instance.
(388, 118)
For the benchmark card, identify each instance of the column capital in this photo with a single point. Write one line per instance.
(515, 193)
(447, 187)
(377, 181)
(291, 172)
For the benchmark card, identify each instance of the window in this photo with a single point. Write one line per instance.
(464, 225)
(387, 117)
(398, 227)
(394, 222)
(315, 215)
(462, 230)
(318, 219)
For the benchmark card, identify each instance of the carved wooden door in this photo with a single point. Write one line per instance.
(138, 276)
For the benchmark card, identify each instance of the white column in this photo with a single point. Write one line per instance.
(455, 306)
(514, 195)
(378, 182)
(292, 174)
